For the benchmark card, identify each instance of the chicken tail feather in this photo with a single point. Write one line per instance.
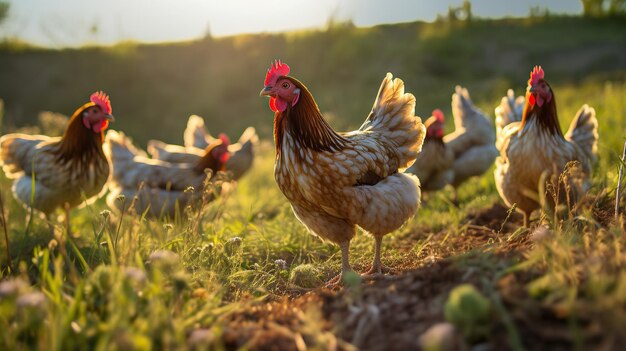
(16, 151)
(121, 152)
(195, 133)
(393, 116)
(584, 131)
(510, 110)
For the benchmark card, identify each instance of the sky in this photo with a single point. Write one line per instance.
(63, 23)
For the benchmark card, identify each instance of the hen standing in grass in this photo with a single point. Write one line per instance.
(196, 141)
(337, 181)
(535, 147)
(159, 187)
(433, 166)
(63, 171)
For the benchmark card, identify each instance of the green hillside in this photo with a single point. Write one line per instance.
(159, 86)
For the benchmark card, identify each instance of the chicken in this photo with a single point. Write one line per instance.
(338, 181)
(510, 110)
(159, 187)
(63, 171)
(472, 140)
(433, 166)
(534, 149)
(195, 135)
(241, 153)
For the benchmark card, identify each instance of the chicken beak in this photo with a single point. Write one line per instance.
(267, 91)
(110, 118)
(532, 89)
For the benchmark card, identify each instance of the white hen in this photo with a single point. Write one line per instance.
(158, 186)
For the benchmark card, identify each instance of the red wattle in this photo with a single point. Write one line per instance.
(277, 105)
(539, 100)
(273, 104)
(225, 156)
(531, 99)
(100, 126)
(281, 105)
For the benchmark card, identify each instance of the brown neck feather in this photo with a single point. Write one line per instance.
(434, 139)
(208, 160)
(78, 143)
(545, 115)
(307, 126)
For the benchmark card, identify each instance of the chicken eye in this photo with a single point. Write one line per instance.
(285, 85)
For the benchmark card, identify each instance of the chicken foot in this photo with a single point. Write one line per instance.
(345, 265)
(377, 269)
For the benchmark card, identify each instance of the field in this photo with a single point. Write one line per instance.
(243, 273)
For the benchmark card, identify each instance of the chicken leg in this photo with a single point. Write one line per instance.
(377, 267)
(345, 265)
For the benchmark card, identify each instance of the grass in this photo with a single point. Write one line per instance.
(220, 278)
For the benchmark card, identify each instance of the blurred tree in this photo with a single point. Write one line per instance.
(4, 11)
(617, 7)
(592, 8)
(599, 8)
(460, 13)
(538, 12)
(467, 10)
(452, 14)
(208, 34)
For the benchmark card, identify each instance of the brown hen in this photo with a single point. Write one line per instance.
(338, 181)
(534, 149)
(62, 171)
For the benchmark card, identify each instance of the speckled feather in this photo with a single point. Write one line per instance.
(163, 182)
(433, 166)
(472, 140)
(77, 176)
(357, 181)
(527, 152)
(196, 139)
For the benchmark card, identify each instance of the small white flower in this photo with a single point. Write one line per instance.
(105, 214)
(166, 257)
(135, 274)
(33, 299)
(540, 233)
(235, 240)
(12, 287)
(200, 337)
(281, 264)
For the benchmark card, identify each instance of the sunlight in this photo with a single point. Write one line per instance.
(77, 22)
(65, 23)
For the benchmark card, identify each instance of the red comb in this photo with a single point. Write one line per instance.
(224, 138)
(438, 114)
(278, 69)
(101, 99)
(535, 75)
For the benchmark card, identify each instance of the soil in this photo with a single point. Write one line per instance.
(392, 312)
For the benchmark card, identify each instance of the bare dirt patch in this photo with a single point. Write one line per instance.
(385, 314)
